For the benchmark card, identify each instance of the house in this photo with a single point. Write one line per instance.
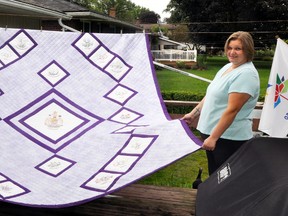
(173, 53)
(167, 51)
(58, 15)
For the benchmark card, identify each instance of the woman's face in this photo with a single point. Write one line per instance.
(235, 53)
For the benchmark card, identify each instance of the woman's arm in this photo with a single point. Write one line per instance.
(189, 118)
(235, 103)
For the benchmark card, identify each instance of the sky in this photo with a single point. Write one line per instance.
(154, 5)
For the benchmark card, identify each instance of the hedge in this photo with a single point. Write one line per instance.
(185, 96)
(180, 96)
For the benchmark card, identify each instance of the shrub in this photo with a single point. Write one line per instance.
(180, 64)
(180, 96)
(202, 62)
(265, 55)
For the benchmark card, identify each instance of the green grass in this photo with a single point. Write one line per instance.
(173, 81)
(183, 172)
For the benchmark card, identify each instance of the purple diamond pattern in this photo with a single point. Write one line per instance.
(10, 189)
(55, 165)
(120, 94)
(86, 44)
(117, 69)
(125, 116)
(43, 121)
(101, 181)
(53, 120)
(53, 73)
(7, 55)
(121, 163)
(16, 48)
(101, 57)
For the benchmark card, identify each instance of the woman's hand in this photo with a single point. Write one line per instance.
(235, 103)
(193, 116)
(209, 144)
(188, 118)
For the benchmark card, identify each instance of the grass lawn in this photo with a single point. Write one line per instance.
(183, 172)
(173, 81)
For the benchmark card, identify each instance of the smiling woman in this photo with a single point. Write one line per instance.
(225, 111)
(235, 55)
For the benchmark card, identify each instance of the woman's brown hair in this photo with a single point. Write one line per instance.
(247, 43)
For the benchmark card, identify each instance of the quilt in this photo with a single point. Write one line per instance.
(81, 115)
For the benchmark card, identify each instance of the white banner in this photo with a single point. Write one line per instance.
(274, 117)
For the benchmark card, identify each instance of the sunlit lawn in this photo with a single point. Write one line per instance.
(173, 81)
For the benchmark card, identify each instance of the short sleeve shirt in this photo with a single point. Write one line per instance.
(243, 79)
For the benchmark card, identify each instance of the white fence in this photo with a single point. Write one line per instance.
(174, 55)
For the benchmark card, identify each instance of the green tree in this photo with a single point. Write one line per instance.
(180, 34)
(211, 21)
(156, 28)
(148, 17)
(125, 9)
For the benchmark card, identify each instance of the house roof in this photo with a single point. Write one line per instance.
(56, 5)
(25, 8)
(55, 9)
(171, 41)
(149, 26)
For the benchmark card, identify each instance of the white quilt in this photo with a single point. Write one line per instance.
(81, 116)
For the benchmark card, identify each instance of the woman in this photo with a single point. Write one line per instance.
(225, 112)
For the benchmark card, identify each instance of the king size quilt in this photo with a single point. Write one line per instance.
(81, 115)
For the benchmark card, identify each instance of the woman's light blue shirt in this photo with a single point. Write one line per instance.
(243, 79)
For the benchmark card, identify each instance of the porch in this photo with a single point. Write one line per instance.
(175, 58)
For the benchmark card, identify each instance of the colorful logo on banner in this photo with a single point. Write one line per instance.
(280, 88)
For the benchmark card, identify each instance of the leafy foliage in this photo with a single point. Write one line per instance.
(180, 34)
(212, 21)
(156, 28)
(149, 17)
(125, 9)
